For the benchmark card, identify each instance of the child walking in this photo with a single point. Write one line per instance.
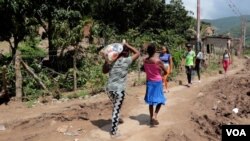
(154, 89)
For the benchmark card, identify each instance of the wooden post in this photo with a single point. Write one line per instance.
(74, 71)
(19, 78)
(209, 58)
(231, 52)
(219, 54)
(139, 67)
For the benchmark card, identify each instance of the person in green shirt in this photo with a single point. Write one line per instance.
(189, 62)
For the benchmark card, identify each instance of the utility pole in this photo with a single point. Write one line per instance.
(243, 34)
(198, 40)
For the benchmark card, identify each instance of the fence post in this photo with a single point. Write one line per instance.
(4, 81)
(19, 78)
(139, 67)
(74, 70)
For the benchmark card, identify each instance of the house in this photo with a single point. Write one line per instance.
(216, 44)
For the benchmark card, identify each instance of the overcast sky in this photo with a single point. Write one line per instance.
(213, 9)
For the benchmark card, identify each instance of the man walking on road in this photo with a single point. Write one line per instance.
(189, 62)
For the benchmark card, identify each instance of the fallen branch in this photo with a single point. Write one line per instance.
(38, 80)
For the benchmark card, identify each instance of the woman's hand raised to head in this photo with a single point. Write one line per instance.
(136, 53)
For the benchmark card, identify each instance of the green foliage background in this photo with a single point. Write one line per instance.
(137, 21)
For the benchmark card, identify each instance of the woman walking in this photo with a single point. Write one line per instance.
(166, 58)
(226, 60)
(118, 71)
(154, 89)
(199, 59)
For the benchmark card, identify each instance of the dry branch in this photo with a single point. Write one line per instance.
(38, 80)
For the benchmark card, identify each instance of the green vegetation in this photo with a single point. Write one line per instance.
(30, 51)
(78, 94)
(136, 21)
(247, 52)
(213, 66)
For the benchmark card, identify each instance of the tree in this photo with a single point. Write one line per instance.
(15, 14)
(142, 15)
(60, 20)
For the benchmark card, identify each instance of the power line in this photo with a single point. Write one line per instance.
(237, 12)
(234, 8)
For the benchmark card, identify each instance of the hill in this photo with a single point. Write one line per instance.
(230, 25)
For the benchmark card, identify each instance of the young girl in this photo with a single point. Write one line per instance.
(166, 58)
(154, 91)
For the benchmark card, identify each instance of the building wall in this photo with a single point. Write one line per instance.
(215, 44)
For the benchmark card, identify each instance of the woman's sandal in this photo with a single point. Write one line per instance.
(154, 122)
(121, 121)
(116, 135)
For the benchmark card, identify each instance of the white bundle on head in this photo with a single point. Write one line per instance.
(112, 51)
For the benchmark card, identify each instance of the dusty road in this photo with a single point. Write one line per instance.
(191, 114)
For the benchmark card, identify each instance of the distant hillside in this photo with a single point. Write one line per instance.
(230, 25)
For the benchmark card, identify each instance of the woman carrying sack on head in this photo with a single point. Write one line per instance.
(118, 70)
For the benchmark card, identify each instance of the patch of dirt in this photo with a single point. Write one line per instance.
(214, 109)
(4, 47)
(174, 135)
(78, 118)
(76, 112)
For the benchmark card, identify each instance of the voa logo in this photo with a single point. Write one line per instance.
(236, 132)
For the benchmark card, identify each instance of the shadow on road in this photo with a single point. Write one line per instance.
(103, 124)
(143, 119)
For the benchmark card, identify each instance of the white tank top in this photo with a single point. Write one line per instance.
(226, 56)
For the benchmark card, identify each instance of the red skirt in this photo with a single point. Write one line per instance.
(226, 64)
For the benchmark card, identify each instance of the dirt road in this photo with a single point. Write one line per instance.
(191, 114)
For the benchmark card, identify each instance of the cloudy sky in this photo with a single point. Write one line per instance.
(213, 9)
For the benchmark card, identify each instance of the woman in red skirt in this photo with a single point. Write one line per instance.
(226, 60)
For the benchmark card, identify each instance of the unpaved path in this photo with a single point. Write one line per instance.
(90, 118)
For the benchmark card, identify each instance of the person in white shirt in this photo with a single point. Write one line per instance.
(199, 59)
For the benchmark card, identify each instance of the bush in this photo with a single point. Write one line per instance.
(31, 89)
(90, 73)
(30, 51)
(79, 94)
(11, 79)
(247, 51)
